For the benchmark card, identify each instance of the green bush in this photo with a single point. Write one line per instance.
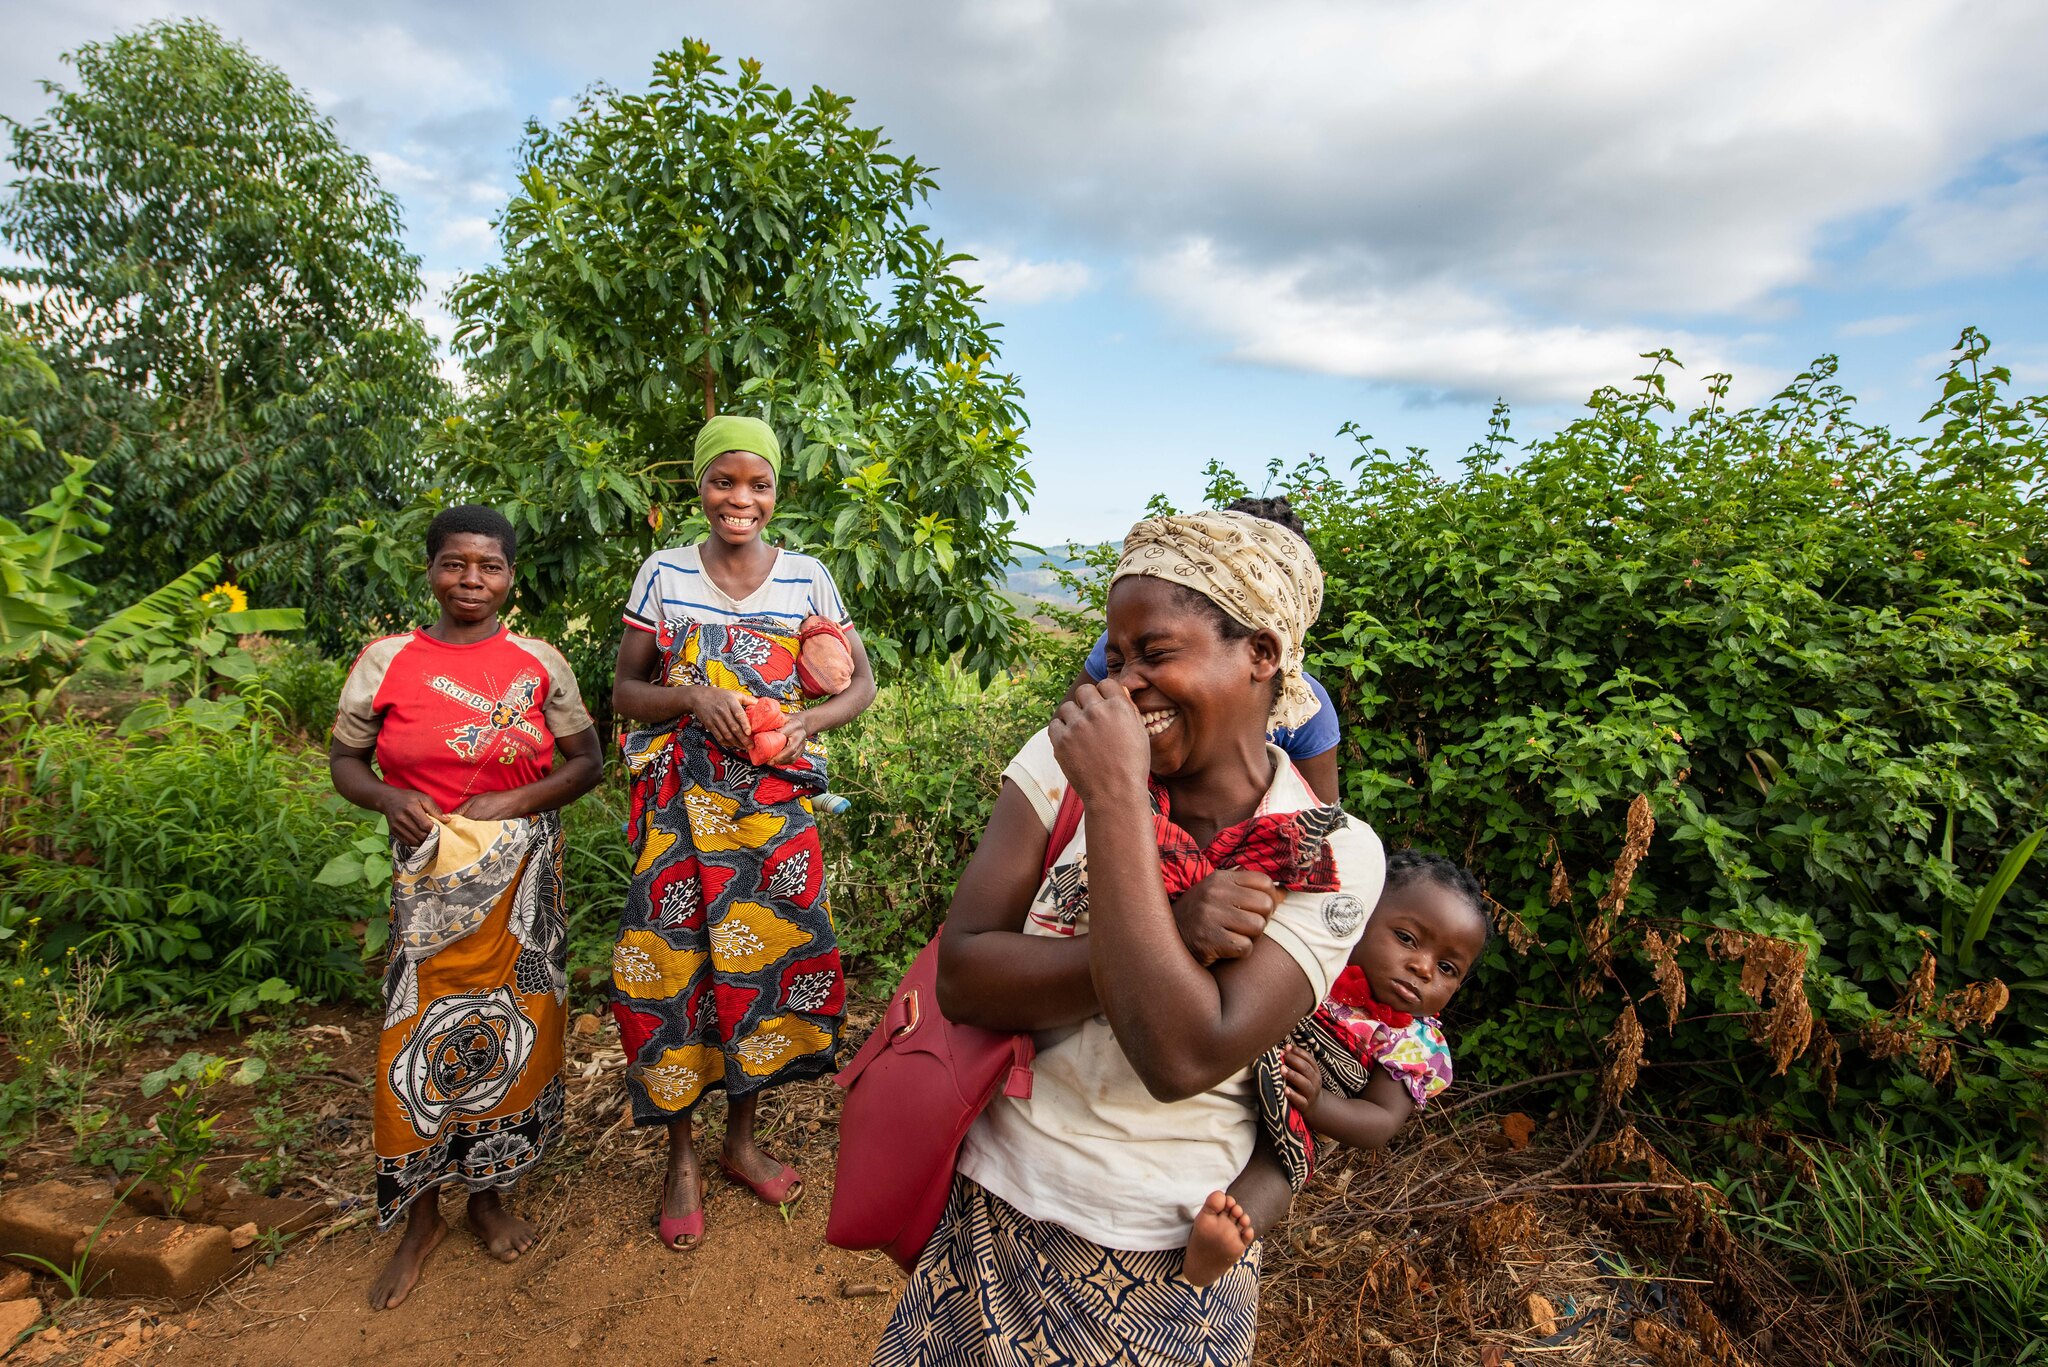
(187, 854)
(1814, 646)
(596, 866)
(301, 683)
(920, 769)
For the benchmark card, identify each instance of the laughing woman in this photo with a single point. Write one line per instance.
(726, 974)
(462, 721)
(1062, 1241)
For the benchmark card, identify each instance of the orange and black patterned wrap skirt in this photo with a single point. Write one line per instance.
(726, 972)
(469, 1063)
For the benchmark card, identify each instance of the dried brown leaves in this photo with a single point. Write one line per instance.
(1827, 1064)
(1635, 844)
(1560, 881)
(1624, 1056)
(1704, 1342)
(1975, 1004)
(1774, 977)
(1600, 931)
(1663, 956)
(1508, 923)
(1906, 1030)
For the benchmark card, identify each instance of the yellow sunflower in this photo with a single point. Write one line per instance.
(228, 597)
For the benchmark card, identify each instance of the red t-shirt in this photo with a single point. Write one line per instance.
(453, 721)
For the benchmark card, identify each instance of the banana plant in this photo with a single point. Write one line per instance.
(37, 596)
(187, 634)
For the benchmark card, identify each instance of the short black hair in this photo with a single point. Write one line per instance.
(1406, 866)
(472, 519)
(1276, 509)
(1227, 627)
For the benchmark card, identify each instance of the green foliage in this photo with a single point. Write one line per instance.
(301, 683)
(37, 593)
(367, 861)
(53, 1028)
(185, 1137)
(224, 289)
(188, 854)
(183, 632)
(1815, 647)
(1941, 1249)
(281, 1132)
(187, 637)
(596, 866)
(921, 769)
(718, 243)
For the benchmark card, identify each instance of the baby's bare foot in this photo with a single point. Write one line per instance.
(1221, 1235)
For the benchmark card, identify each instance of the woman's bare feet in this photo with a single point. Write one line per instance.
(1221, 1235)
(504, 1235)
(423, 1233)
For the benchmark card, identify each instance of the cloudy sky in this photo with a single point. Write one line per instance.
(1224, 230)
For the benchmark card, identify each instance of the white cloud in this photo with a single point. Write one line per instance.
(1883, 325)
(1006, 278)
(472, 237)
(1432, 336)
(1513, 191)
(1978, 230)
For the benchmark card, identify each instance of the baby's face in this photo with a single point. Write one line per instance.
(1419, 946)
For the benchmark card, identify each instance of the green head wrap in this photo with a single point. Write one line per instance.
(731, 432)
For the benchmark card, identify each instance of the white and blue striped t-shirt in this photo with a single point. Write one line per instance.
(672, 586)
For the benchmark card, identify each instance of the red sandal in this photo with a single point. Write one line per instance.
(786, 1186)
(670, 1229)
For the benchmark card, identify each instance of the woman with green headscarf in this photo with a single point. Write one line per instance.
(726, 973)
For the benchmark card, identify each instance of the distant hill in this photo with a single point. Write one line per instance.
(1031, 576)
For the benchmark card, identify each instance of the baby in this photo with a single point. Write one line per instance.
(1378, 1030)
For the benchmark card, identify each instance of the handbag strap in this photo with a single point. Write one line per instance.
(1065, 822)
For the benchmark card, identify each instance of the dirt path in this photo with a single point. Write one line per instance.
(758, 1291)
(761, 1289)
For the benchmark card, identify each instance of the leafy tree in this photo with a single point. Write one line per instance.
(203, 245)
(725, 243)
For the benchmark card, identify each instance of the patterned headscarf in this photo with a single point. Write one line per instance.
(1258, 572)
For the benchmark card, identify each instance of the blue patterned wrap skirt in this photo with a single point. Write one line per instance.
(996, 1288)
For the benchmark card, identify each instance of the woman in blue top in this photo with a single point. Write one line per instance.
(1313, 744)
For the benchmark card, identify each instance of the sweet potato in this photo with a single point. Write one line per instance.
(765, 718)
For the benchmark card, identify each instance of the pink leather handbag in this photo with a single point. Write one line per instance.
(912, 1090)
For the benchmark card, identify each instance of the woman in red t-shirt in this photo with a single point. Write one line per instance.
(462, 721)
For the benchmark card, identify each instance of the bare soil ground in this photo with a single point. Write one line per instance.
(1472, 1244)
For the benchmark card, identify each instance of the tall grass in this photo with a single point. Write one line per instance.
(1944, 1252)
